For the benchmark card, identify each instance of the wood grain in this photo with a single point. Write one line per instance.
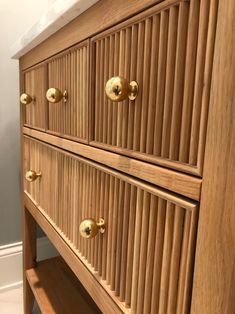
(70, 71)
(89, 281)
(28, 223)
(116, 226)
(171, 52)
(171, 134)
(216, 236)
(35, 84)
(171, 180)
(58, 291)
(29, 257)
(102, 15)
(139, 164)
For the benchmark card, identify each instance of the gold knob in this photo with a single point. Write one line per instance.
(55, 95)
(89, 227)
(32, 175)
(118, 88)
(26, 99)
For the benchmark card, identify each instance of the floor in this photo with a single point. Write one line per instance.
(11, 302)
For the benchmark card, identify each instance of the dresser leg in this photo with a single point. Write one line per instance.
(29, 257)
(28, 298)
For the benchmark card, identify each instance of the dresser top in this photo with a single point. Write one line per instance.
(58, 15)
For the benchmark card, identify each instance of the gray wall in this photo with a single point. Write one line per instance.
(16, 18)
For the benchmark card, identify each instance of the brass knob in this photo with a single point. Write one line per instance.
(26, 99)
(55, 95)
(89, 227)
(32, 175)
(118, 88)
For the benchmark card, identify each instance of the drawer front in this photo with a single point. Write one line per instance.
(44, 189)
(145, 258)
(164, 51)
(69, 72)
(34, 84)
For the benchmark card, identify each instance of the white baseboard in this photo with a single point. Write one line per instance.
(11, 257)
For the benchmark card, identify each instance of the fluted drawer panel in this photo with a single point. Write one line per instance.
(168, 51)
(44, 190)
(145, 258)
(31, 162)
(69, 71)
(35, 83)
(146, 255)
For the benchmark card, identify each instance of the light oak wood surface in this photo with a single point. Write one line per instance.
(35, 84)
(29, 256)
(59, 291)
(85, 199)
(72, 188)
(29, 231)
(102, 15)
(70, 71)
(214, 278)
(177, 182)
(89, 281)
(137, 164)
(172, 49)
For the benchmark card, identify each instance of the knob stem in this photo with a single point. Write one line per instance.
(133, 90)
(101, 225)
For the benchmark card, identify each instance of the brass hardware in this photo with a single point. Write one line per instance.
(32, 175)
(117, 89)
(26, 99)
(55, 95)
(89, 227)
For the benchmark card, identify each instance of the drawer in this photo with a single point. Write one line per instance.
(44, 188)
(69, 72)
(145, 257)
(158, 49)
(34, 86)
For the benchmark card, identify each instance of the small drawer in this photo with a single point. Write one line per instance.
(33, 98)
(144, 258)
(68, 108)
(40, 169)
(158, 49)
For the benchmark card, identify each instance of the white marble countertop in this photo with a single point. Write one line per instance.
(59, 14)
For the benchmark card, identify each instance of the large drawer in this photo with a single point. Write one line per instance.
(145, 258)
(166, 51)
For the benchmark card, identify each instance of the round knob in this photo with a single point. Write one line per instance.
(89, 227)
(118, 88)
(55, 95)
(32, 175)
(26, 99)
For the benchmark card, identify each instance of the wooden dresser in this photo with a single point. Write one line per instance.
(128, 160)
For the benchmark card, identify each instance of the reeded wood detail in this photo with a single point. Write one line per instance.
(145, 258)
(44, 190)
(169, 53)
(31, 162)
(35, 83)
(69, 72)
